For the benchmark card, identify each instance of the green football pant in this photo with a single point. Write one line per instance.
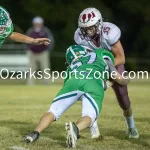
(90, 91)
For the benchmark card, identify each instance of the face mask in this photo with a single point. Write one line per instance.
(2, 30)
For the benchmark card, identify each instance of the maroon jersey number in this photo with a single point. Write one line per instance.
(106, 30)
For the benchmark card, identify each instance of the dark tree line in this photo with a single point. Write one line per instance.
(61, 16)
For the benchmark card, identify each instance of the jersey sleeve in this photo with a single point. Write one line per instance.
(111, 33)
(108, 55)
(114, 34)
(105, 54)
(77, 37)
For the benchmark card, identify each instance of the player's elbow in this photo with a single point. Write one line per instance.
(123, 61)
(121, 57)
(119, 61)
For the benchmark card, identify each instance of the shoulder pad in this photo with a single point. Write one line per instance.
(111, 32)
(77, 36)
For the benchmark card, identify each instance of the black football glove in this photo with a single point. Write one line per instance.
(31, 137)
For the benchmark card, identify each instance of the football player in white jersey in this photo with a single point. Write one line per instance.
(93, 33)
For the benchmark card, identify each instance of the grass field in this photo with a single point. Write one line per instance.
(22, 106)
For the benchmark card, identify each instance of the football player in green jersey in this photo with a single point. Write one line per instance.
(78, 86)
(7, 31)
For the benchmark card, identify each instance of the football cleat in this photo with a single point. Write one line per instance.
(72, 134)
(95, 133)
(31, 137)
(132, 133)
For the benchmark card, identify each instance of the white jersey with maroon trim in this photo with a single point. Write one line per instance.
(109, 35)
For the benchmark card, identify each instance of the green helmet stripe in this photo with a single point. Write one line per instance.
(73, 53)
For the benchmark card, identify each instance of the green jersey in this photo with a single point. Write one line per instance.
(91, 66)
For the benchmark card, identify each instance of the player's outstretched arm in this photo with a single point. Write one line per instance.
(119, 79)
(118, 53)
(115, 76)
(18, 37)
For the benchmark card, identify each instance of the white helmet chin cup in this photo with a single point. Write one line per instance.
(89, 17)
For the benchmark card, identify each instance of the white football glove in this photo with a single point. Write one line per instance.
(109, 83)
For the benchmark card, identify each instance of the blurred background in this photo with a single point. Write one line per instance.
(61, 17)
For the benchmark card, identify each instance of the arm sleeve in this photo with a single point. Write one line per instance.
(118, 78)
(110, 66)
(77, 37)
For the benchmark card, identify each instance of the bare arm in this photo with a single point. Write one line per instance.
(120, 80)
(18, 37)
(118, 53)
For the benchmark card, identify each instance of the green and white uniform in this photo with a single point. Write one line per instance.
(90, 90)
(6, 23)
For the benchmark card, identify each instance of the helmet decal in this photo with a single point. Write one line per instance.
(87, 17)
(93, 14)
(84, 17)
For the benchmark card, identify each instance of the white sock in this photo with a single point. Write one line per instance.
(94, 125)
(130, 122)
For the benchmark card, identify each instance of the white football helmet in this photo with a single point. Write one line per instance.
(90, 17)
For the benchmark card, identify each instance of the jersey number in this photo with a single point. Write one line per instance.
(106, 30)
(90, 61)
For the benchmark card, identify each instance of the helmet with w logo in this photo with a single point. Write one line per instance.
(90, 19)
(74, 52)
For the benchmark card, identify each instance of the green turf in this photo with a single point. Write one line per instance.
(22, 106)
